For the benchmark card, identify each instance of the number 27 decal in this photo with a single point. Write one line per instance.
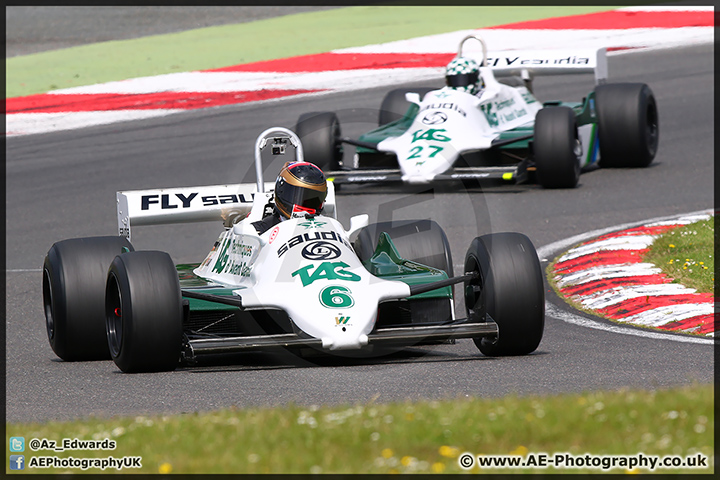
(415, 151)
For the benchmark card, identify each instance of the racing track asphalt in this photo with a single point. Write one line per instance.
(63, 185)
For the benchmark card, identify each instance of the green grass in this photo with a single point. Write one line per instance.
(280, 37)
(406, 437)
(686, 255)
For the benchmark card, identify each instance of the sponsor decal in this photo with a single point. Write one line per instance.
(444, 106)
(431, 134)
(434, 118)
(274, 234)
(518, 61)
(325, 271)
(337, 296)
(312, 223)
(320, 251)
(229, 260)
(341, 320)
(309, 237)
(300, 211)
(367, 178)
(166, 202)
(442, 94)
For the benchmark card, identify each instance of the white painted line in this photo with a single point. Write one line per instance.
(28, 123)
(667, 9)
(627, 242)
(555, 312)
(607, 298)
(607, 271)
(670, 313)
(22, 270)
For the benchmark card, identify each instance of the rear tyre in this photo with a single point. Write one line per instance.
(143, 312)
(556, 148)
(74, 274)
(421, 241)
(628, 127)
(319, 133)
(510, 289)
(394, 105)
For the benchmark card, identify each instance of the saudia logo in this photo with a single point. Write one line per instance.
(507, 61)
(327, 271)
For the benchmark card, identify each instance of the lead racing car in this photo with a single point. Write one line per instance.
(284, 272)
(480, 127)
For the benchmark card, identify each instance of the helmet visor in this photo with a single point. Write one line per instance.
(462, 79)
(307, 198)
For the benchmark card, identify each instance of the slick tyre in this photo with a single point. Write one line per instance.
(74, 274)
(510, 289)
(628, 127)
(319, 133)
(143, 312)
(394, 105)
(421, 241)
(556, 148)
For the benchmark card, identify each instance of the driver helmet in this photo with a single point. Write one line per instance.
(464, 74)
(300, 189)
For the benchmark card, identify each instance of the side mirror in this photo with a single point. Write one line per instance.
(357, 222)
(413, 97)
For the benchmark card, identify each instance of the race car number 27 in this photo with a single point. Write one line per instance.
(431, 134)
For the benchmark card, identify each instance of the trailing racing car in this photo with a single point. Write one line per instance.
(284, 272)
(479, 127)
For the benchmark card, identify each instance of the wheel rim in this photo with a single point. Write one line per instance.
(47, 305)
(113, 316)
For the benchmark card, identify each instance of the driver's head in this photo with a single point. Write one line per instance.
(300, 188)
(464, 74)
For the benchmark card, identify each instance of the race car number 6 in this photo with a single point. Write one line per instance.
(336, 296)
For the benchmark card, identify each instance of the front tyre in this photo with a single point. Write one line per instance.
(510, 289)
(74, 274)
(556, 148)
(319, 133)
(143, 312)
(628, 126)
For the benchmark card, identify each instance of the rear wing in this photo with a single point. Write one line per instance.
(226, 203)
(550, 62)
(527, 63)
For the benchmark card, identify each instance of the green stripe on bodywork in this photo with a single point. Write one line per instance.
(280, 37)
(387, 264)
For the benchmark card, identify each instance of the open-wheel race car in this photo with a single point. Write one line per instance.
(482, 127)
(304, 282)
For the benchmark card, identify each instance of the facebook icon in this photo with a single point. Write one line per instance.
(17, 462)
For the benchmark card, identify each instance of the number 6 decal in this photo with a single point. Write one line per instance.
(336, 296)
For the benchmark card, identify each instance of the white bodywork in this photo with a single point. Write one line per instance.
(451, 122)
(304, 266)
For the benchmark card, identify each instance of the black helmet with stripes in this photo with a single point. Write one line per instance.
(300, 188)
